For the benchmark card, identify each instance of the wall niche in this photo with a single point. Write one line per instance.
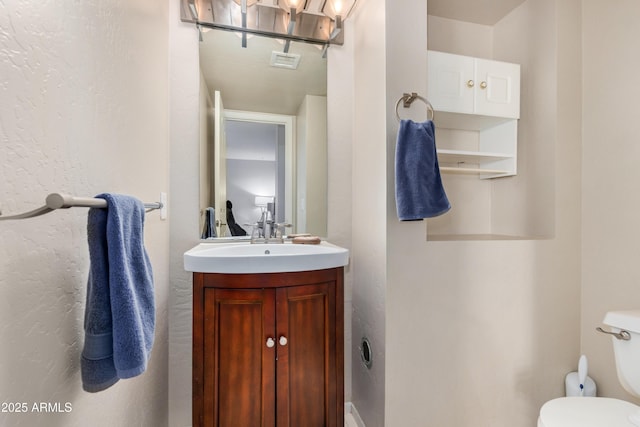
(517, 205)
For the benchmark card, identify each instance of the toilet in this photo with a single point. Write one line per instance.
(603, 411)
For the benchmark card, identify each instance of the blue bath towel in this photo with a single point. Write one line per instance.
(419, 190)
(120, 313)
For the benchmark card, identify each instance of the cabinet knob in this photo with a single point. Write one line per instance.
(470, 83)
(271, 342)
(483, 85)
(283, 341)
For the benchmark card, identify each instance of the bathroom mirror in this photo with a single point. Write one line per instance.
(262, 134)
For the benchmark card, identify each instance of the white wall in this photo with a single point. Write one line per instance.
(369, 187)
(611, 201)
(184, 78)
(83, 110)
(525, 204)
(461, 38)
(311, 153)
(340, 110)
(484, 331)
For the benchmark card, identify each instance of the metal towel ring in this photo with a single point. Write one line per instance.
(408, 98)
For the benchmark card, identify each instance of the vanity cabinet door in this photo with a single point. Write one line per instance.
(268, 349)
(306, 368)
(239, 358)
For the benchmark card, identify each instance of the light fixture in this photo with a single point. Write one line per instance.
(244, 5)
(338, 8)
(293, 7)
(193, 9)
(310, 21)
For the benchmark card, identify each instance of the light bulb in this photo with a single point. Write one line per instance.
(337, 7)
(333, 8)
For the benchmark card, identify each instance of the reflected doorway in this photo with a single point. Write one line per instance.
(255, 169)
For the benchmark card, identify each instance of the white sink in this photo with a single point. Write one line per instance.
(244, 257)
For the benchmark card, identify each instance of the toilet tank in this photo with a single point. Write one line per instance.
(627, 353)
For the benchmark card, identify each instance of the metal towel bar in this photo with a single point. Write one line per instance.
(63, 201)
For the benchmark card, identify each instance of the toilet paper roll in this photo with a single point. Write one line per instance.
(572, 385)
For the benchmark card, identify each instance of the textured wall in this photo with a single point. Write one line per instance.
(83, 110)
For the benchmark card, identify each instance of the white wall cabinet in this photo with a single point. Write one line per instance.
(478, 95)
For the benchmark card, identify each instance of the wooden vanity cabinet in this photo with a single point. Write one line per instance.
(268, 349)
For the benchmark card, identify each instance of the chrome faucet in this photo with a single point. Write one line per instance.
(268, 232)
(266, 225)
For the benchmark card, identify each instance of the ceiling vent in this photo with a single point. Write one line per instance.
(285, 60)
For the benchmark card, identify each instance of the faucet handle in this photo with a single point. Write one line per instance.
(280, 229)
(255, 231)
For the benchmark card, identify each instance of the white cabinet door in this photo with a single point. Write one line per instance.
(497, 88)
(462, 84)
(449, 79)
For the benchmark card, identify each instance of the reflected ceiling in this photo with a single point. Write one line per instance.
(246, 80)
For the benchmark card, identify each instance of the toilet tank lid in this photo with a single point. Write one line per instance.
(628, 320)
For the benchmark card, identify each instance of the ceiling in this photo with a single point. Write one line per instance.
(486, 12)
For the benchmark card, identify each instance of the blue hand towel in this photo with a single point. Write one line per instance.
(209, 229)
(419, 190)
(120, 313)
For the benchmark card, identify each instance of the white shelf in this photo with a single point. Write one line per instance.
(465, 121)
(496, 156)
(463, 156)
(464, 170)
(465, 161)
